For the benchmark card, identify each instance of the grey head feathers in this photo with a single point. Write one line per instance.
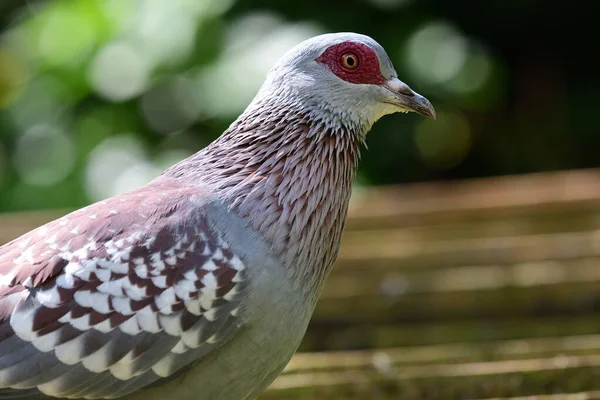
(287, 164)
(310, 86)
(300, 57)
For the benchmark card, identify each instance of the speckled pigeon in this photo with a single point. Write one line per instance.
(200, 284)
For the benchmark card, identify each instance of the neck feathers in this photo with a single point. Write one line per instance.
(290, 175)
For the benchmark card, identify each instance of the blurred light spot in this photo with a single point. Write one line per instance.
(12, 77)
(118, 72)
(117, 11)
(44, 155)
(108, 161)
(389, 4)
(42, 101)
(383, 363)
(137, 175)
(165, 31)
(171, 105)
(170, 157)
(436, 53)
(445, 142)
(66, 35)
(475, 73)
(253, 45)
(248, 30)
(542, 273)
(394, 286)
(209, 8)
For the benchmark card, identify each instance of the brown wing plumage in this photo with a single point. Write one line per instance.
(116, 296)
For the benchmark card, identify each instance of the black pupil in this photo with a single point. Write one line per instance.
(350, 61)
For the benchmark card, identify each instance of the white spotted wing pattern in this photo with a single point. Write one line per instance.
(115, 297)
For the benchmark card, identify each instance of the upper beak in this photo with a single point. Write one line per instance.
(407, 99)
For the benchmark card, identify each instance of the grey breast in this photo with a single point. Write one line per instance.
(276, 317)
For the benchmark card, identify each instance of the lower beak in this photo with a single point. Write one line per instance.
(407, 99)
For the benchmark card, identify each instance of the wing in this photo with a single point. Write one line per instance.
(116, 296)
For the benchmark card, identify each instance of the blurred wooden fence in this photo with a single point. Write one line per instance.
(481, 289)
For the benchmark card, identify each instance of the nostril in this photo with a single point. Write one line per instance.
(406, 91)
(399, 88)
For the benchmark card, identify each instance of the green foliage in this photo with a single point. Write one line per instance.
(97, 96)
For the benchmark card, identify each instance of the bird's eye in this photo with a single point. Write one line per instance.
(349, 61)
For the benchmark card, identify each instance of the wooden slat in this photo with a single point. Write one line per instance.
(446, 353)
(561, 373)
(476, 198)
(478, 289)
(327, 335)
(363, 252)
(393, 284)
(374, 296)
(595, 395)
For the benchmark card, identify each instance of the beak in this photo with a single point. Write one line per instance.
(407, 99)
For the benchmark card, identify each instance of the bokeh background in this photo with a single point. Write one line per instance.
(98, 96)
(470, 266)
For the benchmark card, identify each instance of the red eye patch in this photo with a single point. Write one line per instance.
(364, 69)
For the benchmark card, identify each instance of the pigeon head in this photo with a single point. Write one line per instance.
(346, 76)
(286, 165)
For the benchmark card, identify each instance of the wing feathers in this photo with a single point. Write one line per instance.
(114, 297)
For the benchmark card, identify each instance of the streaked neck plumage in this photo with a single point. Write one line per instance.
(288, 169)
